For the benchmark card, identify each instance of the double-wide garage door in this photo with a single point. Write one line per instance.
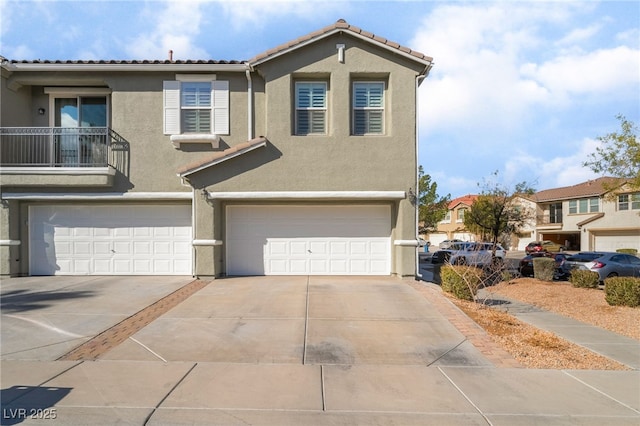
(141, 239)
(308, 240)
(614, 240)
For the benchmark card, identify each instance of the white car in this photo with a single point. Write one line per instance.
(477, 254)
(447, 243)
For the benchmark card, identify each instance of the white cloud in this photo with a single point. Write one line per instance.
(554, 172)
(175, 28)
(597, 72)
(257, 13)
(496, 64)
(580, 34)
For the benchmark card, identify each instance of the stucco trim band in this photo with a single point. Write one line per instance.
(406, 243)
(206, 242)
(10, 242)
(87, 196)
(308, 195)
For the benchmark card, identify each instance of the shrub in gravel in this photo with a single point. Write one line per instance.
(543, 268)
(461, 281)
(623, 291)
(584, 278)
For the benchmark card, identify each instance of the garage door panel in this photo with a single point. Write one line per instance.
(303, 240)
(614, 240)
(110, 239)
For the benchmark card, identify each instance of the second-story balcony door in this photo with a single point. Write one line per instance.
(74, 145)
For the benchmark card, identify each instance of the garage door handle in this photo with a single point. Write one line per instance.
(309, 251)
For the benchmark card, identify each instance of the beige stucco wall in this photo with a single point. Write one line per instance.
(333, 162)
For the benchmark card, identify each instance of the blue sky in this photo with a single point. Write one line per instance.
(522, 88)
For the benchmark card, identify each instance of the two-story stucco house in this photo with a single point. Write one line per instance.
(301, 160)
(452, 226)
(586, 217)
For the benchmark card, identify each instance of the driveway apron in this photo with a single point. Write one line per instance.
(303, 320)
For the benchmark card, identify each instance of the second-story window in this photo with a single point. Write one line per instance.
(368, 108)
(311, 108)
(447, 217)
(629, 201)
(461, 213)
(196, 106)
(584, 205)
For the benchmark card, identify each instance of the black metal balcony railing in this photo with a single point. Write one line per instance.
(55, 146)
(547, 219)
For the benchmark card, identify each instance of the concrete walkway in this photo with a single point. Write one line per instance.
(611, 345)
(305, 351)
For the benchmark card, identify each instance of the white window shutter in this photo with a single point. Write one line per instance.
(171, 103)
(220, 107)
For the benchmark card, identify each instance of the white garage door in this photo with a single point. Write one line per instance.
(110, 240)
(308, 240)
(611, 241)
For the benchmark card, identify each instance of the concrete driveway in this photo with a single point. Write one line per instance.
(299, 320)
(303, 320)
(273, 351)
(45, 317)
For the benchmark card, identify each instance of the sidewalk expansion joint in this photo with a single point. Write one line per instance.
(112, 337)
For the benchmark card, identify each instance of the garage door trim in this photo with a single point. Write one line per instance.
(308, 239)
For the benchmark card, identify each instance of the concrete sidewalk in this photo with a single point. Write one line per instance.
(611, 345)
(311, 351)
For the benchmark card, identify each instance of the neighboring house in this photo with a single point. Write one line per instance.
(452, 226)
(586, 217)
(526, 232)
(302, 160)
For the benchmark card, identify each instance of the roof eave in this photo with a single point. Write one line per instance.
(13, 66)
(427, 61)
(208, 164)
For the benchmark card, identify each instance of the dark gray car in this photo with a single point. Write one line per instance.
(615, 264)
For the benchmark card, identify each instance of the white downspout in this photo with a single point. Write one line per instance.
(419, 80)
(249, 104)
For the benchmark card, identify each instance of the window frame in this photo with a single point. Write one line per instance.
(584, 205)
(460, 214)
(220, 106)
(311, 109)
(632, 201)
(184, 108)
(368, 108)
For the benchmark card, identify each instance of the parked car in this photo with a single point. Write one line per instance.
(478, 254)
(447, 243)
(578, 260)
(615, 264)
(526, 263)
(546, 245)
(443, 255)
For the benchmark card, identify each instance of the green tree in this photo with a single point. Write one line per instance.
(432, 207)
(498, 211)
(619, 153)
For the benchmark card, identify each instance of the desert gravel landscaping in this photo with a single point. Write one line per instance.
(535, 348)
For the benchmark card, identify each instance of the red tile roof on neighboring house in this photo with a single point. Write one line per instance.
(340, 25)
(591, 188)
(221, 156)
(467, 200)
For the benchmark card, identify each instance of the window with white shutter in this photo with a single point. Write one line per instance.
(196, 107)
(368, 108)
(311, 108)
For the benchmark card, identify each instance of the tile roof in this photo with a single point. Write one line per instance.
(221, 156)
(123, 62)
(590, 188)
(340, 25)
(467, 200)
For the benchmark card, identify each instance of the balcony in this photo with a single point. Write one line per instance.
(549, 221)
(58, 156)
